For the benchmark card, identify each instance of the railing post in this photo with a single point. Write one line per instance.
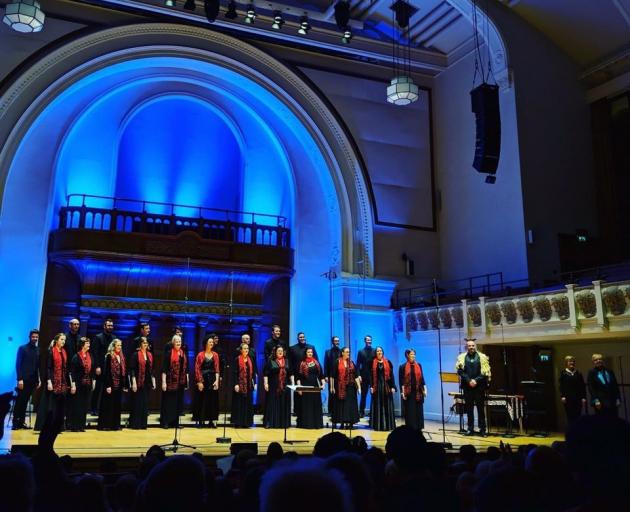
(403, 315)
(465, 316)
(573, 320)
(482, 307)
(601, 314)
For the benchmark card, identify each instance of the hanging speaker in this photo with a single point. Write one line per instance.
(485, 106)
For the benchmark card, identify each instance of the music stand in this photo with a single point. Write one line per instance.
(303, 389)
(534, 392)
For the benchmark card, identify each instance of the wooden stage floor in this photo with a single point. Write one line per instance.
(132, 443)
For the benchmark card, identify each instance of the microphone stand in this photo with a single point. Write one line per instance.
(508, 431)
(175, 444)
(437, 311)
(224, 439)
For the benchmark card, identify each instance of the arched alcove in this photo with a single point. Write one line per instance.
(294, 159)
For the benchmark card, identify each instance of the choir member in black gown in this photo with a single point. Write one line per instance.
(82, 372)
(244, 379)
(142, 382)
(310, 406)
(572, 390)
(174, 382)
(114, 383)
(345, 384)
(277, 375)
(207, 374)
(413, 391)
(100, 342)
(382, 388)
(53, 398)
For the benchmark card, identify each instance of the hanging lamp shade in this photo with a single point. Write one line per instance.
(402, 91)
(24, 16)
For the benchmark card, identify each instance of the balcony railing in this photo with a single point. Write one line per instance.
(603, 305)
(228, 225)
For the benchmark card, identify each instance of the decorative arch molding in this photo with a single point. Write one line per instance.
(29, 95)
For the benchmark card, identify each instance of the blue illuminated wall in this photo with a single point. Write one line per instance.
(178, 149)
(168, 129)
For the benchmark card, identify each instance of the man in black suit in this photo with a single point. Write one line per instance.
(28, 380)
(364, 367)
(603, 387)
(72, 338)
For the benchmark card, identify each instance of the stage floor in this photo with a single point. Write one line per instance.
(132, 443)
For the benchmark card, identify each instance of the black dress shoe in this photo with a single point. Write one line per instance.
(484, 433)
(469, 433)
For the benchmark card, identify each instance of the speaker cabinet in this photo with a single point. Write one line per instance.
(485, 106)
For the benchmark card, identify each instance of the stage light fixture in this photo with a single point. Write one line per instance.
(342, 14)
(231, 13)
(347, 36)
(169, 3)
(250, 14)
(305, 26)
(24, 16)
(278, 21)
(211, 9)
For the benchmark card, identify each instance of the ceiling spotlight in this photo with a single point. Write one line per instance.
(190, 5)
(211, 9)
(347, 36)
(231, 13)
(169, 3)
(250, 16)
(278, 21)
(305, 26)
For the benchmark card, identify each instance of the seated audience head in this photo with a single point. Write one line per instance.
(305, 485)
(274, 452)
(407, 448)
(356, 475)
(331, 443)
(16, 475)
(178, 483)
(598, 453)
(359, 445)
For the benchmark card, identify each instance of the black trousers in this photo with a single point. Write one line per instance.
(23, 396)
(474, 397)
(365, 391)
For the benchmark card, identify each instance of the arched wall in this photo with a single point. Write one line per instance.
(323, 182)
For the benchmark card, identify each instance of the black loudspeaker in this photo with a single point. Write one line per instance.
(485, 106)
(237, 447)
(534, 393)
